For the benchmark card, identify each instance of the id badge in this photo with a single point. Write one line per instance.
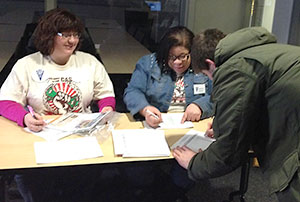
(199, 89)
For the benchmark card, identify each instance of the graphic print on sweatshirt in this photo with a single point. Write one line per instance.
(62, 96)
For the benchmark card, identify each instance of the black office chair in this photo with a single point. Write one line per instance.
(244, 179)
(26, 46)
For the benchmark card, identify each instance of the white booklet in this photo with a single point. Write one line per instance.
(171, 120)
(194, 140)
(78, 122)
(67, 150)
(140, 143)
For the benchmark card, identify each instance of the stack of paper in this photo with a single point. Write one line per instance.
(194, 140)
(140, 143)
(77, 122)
(171, 120)
(71, 123)
(67, 150)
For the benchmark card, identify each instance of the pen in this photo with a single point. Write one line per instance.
(31, 111)
(152, 114)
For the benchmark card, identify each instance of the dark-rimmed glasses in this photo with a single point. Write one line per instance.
(182, 57)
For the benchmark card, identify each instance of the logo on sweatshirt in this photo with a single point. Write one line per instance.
(62, 96)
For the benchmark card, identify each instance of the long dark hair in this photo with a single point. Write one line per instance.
(54, 21)
(175, 36)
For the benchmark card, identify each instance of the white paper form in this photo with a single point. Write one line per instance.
(194, 140)
(67, 150)
(171, 120)
(140, 143)
(50, 134)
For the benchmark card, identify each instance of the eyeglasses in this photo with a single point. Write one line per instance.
(69, 35)
(182, 57)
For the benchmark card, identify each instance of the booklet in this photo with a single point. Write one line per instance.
(78, 122)
(140, 143)
(194, 140)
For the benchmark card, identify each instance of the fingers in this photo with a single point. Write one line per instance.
(34, 124)
(183, 117)
(106, 109)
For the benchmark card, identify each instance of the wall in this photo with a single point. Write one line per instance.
(229, 15)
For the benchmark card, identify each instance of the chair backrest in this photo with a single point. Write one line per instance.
(26, 46)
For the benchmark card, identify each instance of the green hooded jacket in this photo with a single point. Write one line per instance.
(256, 97)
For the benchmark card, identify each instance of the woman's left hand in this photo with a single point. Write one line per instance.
(192, 113)
(106, 109)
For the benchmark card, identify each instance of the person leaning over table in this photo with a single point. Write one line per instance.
(256, 94)
(165, 82)
(55, 80)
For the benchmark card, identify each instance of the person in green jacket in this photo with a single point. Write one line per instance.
(256, 98)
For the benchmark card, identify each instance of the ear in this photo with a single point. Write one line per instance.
(211, 65)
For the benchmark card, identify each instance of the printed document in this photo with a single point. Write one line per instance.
(171, 120)
(140, 143)
(194, 140)
(71, 123)
(67, 150)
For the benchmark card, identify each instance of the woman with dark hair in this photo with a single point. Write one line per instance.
(43, 79)
(55, 80)
(165, 82)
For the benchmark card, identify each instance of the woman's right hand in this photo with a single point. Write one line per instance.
(152, 116)
(34, 124)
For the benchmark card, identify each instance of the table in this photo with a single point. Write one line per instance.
(118, 49)
(17, 150)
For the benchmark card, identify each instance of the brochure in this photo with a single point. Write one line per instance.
(194, 140)
(78, 122)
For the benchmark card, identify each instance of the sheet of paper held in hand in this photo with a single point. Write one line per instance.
(140, 143)
(194, 140)
(171, 120)
(67, 150)
(70, 123)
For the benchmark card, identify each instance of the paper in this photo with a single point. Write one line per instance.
(140, 143)
(77, 122)
(50, 134)
(67, 150)
(171, 120)
(194, 140)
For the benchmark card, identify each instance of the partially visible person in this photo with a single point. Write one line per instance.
(165, 82)
(256, 94)
(55, 80)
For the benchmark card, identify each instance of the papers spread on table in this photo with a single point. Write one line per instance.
(140, 143)
(171, 120)
(67, 150)
(194, 140)
(71, 123)
(77, 122)
(50, 134)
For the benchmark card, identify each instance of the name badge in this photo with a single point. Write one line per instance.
(199, 89)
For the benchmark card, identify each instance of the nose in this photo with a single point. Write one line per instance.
(177, 61)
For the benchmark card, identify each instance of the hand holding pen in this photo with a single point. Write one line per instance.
(34, 121)
(152, 116)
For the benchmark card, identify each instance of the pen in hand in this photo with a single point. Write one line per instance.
(152, 114)
(31, 111)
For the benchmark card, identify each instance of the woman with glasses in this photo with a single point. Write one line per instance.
(55, 80)
(165, 82)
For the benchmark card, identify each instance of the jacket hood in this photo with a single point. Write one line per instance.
(241, 40)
